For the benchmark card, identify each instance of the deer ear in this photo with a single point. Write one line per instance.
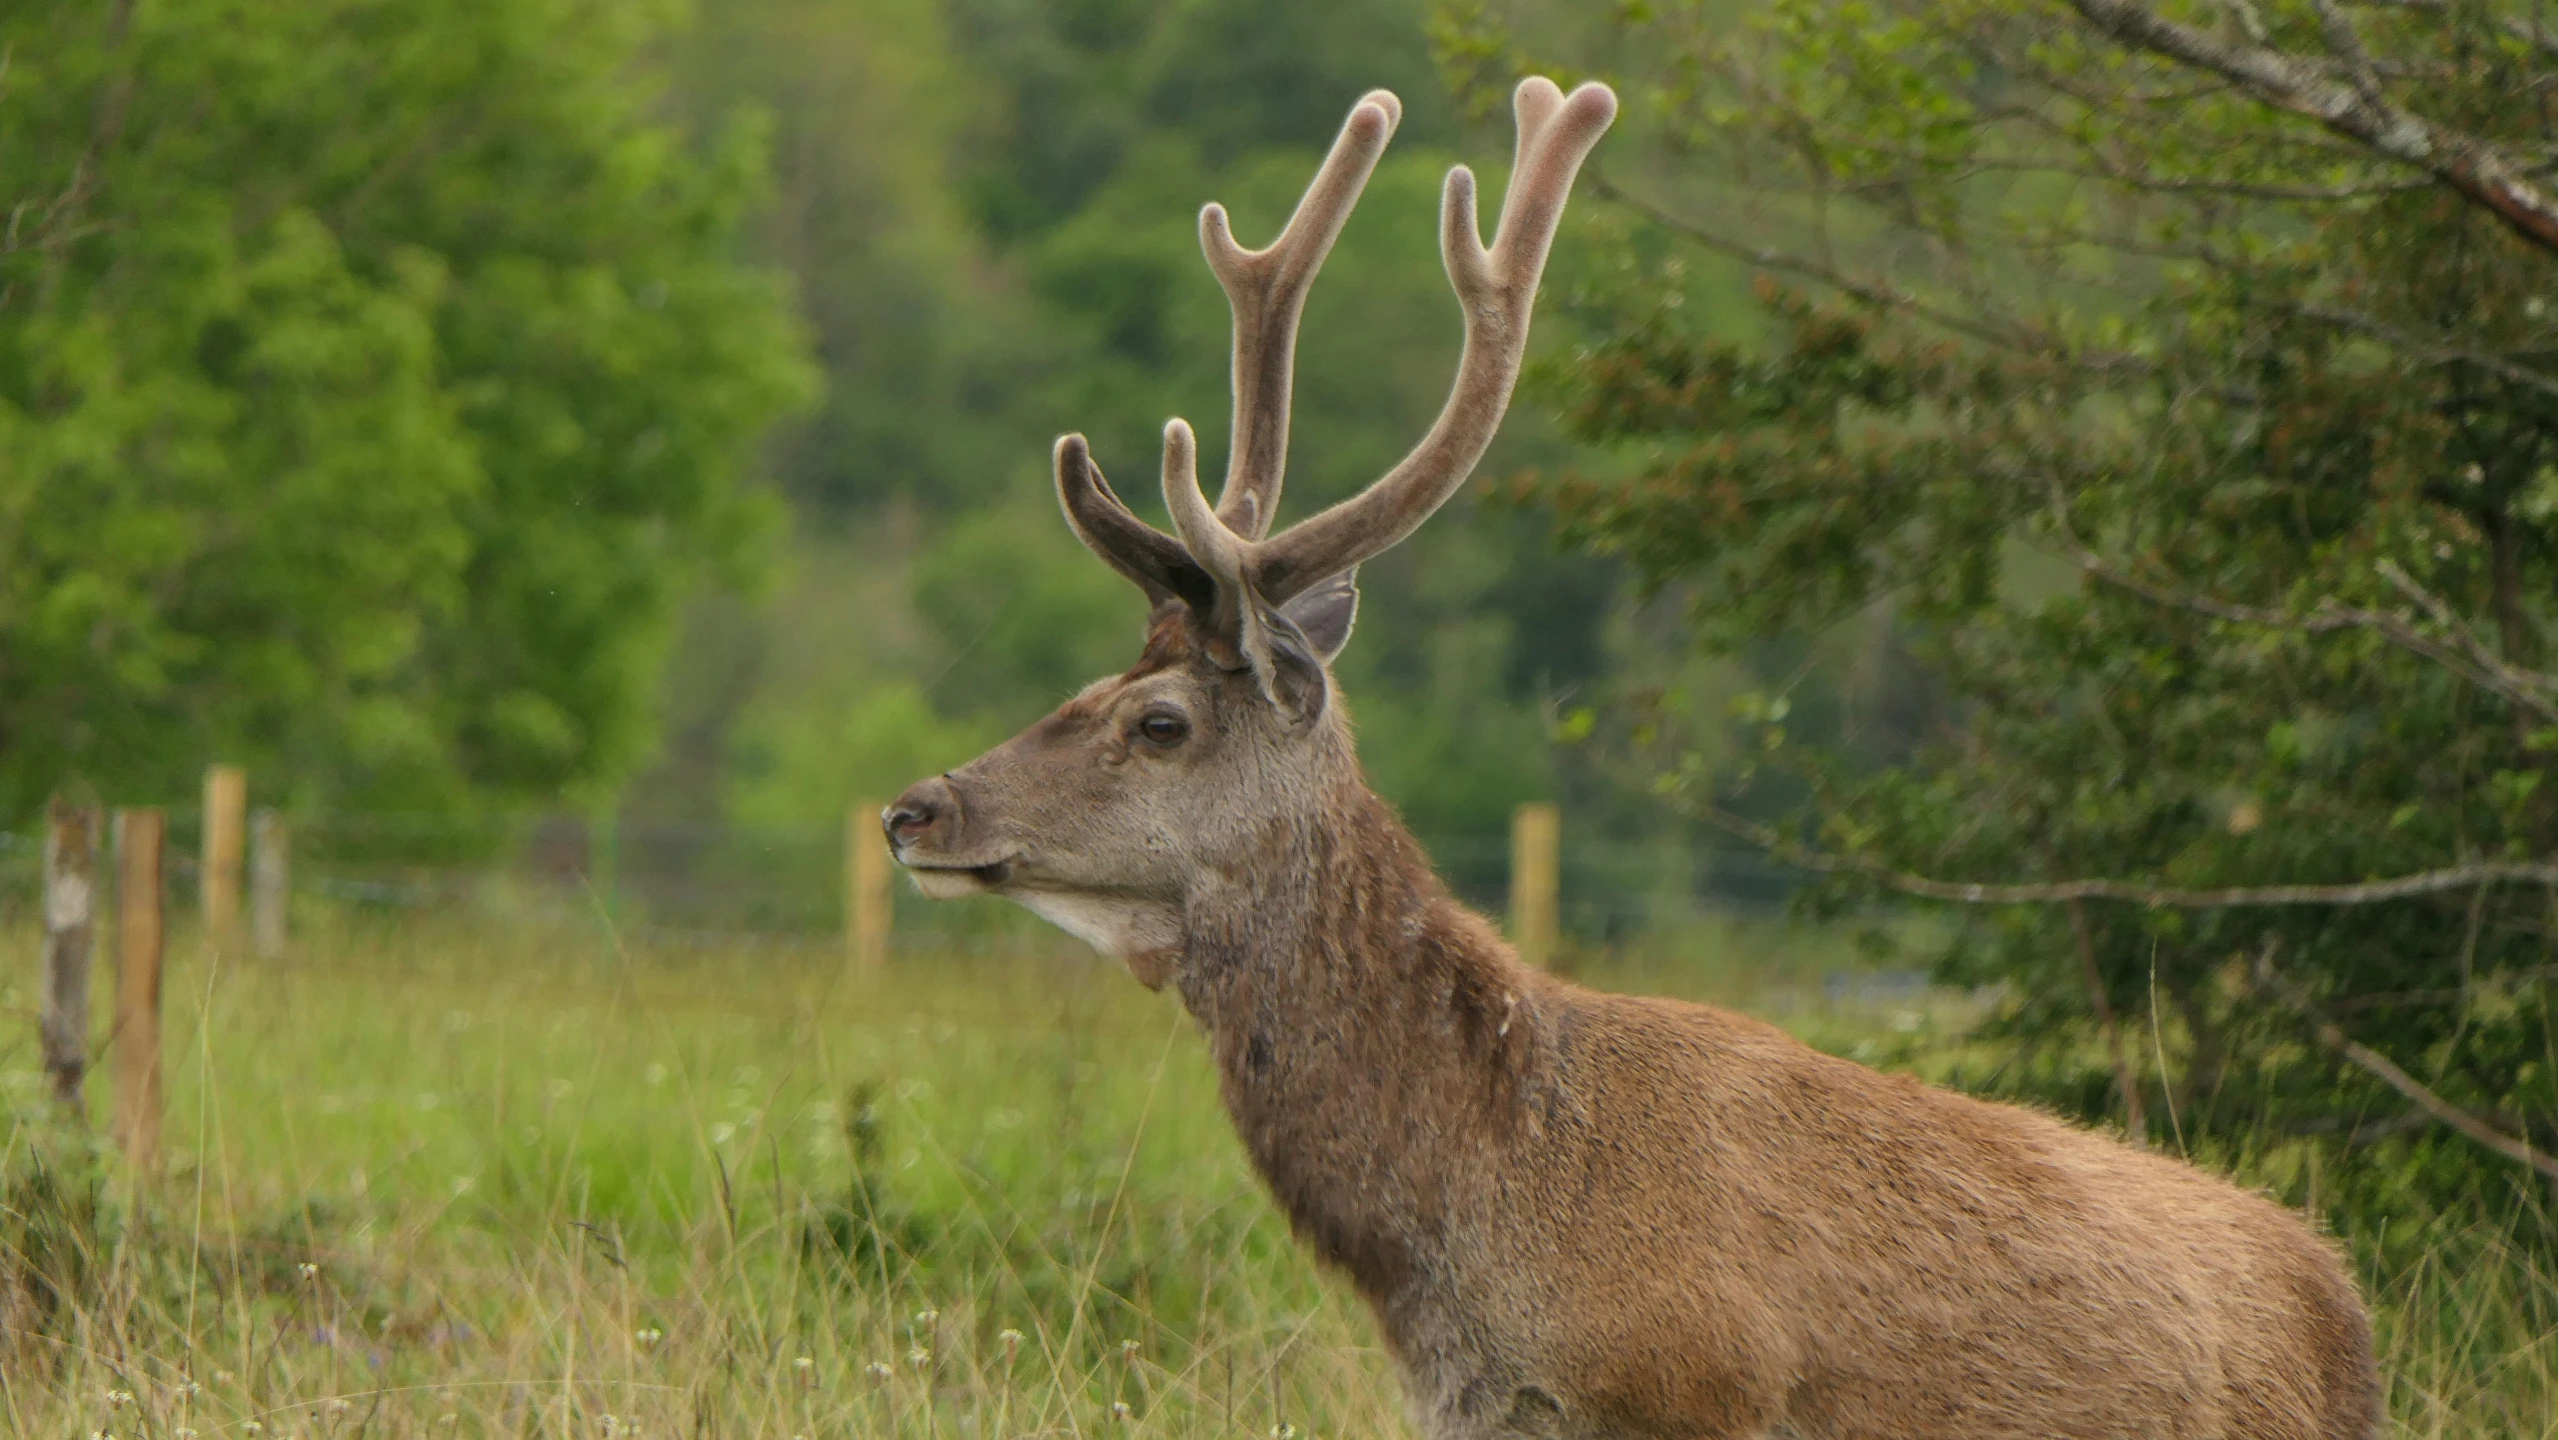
(1325, 614)
(1288, 665)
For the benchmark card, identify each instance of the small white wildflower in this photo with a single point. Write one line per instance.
(925, 1318)
(251, 1427)
(184, 1432)
(1128, 1351)
(1119, 1410)
(878, 1370)
(189, 1389)
(337, 1404)
(309, 1270)
(118, 1399)
(804, 1364)
(1009, 1339)
(1283, 1431)
(920, 1356)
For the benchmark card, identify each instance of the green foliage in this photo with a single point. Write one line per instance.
(1029, 619)
(2129, 400)
(926, 337)
(372, 386)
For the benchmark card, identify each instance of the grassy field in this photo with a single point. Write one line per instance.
(433, 1178)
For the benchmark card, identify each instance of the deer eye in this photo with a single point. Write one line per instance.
(1164, 728)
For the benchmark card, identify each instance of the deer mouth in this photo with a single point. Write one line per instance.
(950, 882)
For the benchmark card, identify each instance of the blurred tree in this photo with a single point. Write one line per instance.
(992, 207)
(373, 383)
(928, 339)
(2206, 453)
(1075, 87)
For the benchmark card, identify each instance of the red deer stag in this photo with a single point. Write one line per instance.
(1573, 1213)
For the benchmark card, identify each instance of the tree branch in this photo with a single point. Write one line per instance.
(2138, 892)
(2379, 1065)
(1872, 292)
(2473, 167)
(2530, 32)
(2465, 655)
(2420, 347)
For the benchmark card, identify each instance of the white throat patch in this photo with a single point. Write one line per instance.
(1121, 928)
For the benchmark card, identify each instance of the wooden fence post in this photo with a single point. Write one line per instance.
(869, 902)
(1536, 856)
(270, 882)
(70, 929)
(226, 815)
(140, 836)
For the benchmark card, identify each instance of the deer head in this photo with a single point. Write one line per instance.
(1116, 812)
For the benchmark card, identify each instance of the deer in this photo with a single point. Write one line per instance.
(1571, 1213)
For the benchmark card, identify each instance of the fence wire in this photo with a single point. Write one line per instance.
(727, 883)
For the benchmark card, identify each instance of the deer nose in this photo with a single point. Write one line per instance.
(913, 815)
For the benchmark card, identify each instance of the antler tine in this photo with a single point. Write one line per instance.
(1532, 107)
(1210, 541)
(1155, 561)
(1216, 548)
(1266, 289)
(1497, 288)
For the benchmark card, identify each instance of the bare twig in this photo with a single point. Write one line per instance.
(2530, 974)
(2463, 653)
(2430, 349)
(2348, 47)
(2138, 892)
(2530, 32)
(2476, 168)
(1873, 292)
(2511, 1147)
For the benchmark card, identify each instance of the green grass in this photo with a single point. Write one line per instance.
(435, 1178)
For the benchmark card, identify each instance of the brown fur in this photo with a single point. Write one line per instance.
(1581, 1214)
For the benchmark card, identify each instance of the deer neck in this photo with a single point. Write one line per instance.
(1362, 1023)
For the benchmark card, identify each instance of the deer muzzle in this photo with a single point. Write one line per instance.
(923, 827)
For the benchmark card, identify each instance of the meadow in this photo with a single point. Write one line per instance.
(438, 1176)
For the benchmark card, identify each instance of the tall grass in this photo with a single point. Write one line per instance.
(434, 1178)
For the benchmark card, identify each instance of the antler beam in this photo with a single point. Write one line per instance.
(1266, 289)
(1222, 564)
(1496, 286)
